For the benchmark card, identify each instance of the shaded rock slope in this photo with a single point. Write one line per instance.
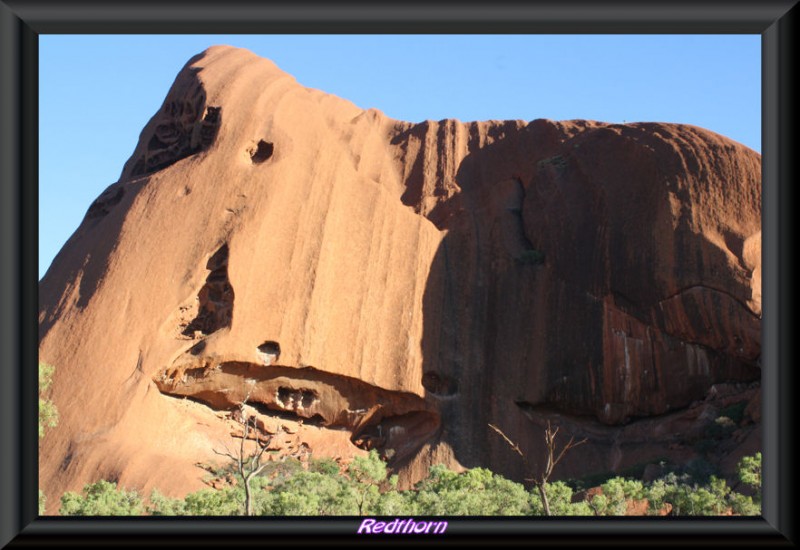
(372, 283)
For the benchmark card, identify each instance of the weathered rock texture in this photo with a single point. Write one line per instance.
(392, 285)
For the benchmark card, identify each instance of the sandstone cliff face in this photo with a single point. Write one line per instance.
(391, 285)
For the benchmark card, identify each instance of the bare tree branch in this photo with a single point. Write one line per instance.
(553, 457)
(513, 445)
(227, 455)
(248, 464)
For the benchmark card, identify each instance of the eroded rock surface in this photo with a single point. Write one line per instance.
(381, 284)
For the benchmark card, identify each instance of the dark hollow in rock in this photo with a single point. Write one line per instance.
(292, 399)
(261, 151)
(198, 348)
(271, 351)
(439, 384)
(216, 297)
(184, 128)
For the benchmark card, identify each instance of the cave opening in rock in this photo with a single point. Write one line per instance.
(270, 351)
(291, 398)
(261, 152)
(215, 298)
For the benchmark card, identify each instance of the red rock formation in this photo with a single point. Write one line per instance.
(392, 285)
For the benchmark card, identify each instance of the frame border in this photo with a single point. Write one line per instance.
(21, 21)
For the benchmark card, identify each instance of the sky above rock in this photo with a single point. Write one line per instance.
(97, 92)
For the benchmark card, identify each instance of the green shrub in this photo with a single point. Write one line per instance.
(744, 505)
(616, 492)
(656, 493)
(311, 494)
(282, 470)
(749, 470)
(326, 466)
(165, 506)
(101, 499)
(214, 502)
(365, 488)
(709, 500)
(366, 474)
(559, 496)
(476, 492)
(396, 503)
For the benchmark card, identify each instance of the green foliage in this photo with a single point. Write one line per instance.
(744, 505)
(712, 498)
(366, 474)
(749, 470)
(656, 494)
(48, 414)
(708, 500)
(616, 493)
(368, 469)
(227, 501)
(396, 503)
(364, 488)
(476, 492)
(311, 494)
(45, 376)
(326, 466)
(285, 469)
(165, 506)
(101, 499)
(559, 496)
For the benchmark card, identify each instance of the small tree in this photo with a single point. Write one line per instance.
(367, 473)
(248, 463)
(552, 458)
(749, 470)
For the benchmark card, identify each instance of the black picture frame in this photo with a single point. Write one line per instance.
(21, 21)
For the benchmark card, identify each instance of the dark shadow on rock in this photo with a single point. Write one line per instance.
(551, 251)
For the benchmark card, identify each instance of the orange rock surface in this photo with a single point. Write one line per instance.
(381, 284)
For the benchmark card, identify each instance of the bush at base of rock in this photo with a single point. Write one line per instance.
(102, 498)
(364, 488)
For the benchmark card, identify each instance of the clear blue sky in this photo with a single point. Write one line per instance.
(98, 92)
